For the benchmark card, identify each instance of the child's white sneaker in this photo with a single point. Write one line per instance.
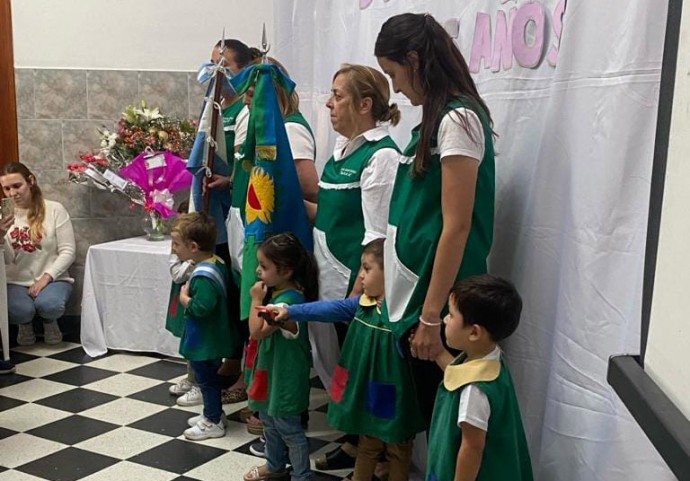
(181, 387)
(195, 419)
(192, 397)
(205, 429)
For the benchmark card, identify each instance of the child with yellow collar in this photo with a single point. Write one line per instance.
(372, 394)
(476, 430)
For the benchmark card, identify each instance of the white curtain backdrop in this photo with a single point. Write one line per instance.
(573, 173)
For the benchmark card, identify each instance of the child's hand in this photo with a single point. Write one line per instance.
(280, 312)
(258, 291)
(184, 294)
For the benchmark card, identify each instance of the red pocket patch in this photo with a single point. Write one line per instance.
(258, 391)
(250, 353)
(340, 375)
(173, 305)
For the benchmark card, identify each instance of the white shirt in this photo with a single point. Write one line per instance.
(376, 182)
(241, 124)
(301, 142)
(453, 139)
(474, 405)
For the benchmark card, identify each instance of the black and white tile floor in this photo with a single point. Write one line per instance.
(66, 416)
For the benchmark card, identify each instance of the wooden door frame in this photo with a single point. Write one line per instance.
(9, 141)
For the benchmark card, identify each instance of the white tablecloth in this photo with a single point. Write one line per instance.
(125, 300)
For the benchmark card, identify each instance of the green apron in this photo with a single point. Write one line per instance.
(506, 456)
(372, 383)
(415, 223)
(339, 224)
(279, 379)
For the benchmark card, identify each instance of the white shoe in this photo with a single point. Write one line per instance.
(181, 387)
(195, 419)
(205, 429)
(192, 397)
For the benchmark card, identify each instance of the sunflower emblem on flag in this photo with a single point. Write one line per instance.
(260, 196)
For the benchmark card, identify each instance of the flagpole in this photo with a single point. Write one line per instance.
(215, 114)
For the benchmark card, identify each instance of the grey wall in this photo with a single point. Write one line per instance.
(59, 112)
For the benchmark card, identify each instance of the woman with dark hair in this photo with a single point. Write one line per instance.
(440, 226)
(38, 248)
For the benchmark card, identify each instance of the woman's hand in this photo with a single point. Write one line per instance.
(425, 341)
(258, 292)
(40, 284)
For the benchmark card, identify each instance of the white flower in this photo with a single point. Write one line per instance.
(149, 114)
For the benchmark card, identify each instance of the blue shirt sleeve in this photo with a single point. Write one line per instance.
(341, 310)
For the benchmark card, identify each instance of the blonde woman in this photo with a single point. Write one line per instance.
(39, 247)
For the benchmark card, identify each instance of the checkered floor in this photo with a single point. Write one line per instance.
(66, 416)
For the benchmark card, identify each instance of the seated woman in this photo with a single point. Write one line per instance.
(38, 247)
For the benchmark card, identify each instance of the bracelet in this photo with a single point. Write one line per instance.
(430, 324)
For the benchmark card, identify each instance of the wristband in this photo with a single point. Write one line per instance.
(430, 324)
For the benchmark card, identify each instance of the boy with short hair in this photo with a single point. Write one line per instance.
(476, 430)
(207, 336)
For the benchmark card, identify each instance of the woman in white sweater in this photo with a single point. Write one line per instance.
(38, 246)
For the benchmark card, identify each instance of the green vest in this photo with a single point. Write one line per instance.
(339, 224)
(211, 336)
(505, 457)
(415, 223)
(280, 378)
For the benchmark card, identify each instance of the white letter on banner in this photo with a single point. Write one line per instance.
(528, 56)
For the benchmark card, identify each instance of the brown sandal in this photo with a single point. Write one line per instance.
(255, 426)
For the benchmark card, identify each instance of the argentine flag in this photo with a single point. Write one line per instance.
(219, 199)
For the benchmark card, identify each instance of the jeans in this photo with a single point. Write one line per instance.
(286, 442)
(49, 304)
(207, 379)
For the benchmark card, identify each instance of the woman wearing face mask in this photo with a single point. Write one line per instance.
(440, 226)
(38, 246)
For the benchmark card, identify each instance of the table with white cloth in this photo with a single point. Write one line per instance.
(125, 300)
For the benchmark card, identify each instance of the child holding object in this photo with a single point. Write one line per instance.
(476, 430)
(174, 320)
(372, 394)
(279, 380)
(207, 335)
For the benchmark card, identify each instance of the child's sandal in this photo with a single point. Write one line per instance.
(254, 475)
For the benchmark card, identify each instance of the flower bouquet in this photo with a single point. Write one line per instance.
(145, 134)
(158, 175)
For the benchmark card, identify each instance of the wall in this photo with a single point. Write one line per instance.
(147, 49)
